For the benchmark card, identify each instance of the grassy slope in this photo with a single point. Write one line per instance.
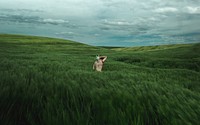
(50, 81)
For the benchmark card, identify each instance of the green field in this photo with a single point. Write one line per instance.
(46, 81)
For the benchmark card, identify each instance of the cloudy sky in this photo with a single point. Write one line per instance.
(105, 22)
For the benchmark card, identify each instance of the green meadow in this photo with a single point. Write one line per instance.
(47, 81)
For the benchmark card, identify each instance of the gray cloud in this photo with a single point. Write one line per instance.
(18, 16)
(113, 21)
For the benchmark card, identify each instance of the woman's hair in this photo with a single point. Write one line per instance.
(97, 57)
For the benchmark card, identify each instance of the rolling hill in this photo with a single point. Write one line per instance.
(48, 81)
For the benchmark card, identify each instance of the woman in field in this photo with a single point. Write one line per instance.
(98, 64)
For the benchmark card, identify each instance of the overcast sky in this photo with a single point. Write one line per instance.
(105, 22)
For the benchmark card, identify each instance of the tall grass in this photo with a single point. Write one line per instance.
(46, 81)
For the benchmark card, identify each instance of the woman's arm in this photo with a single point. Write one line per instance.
(94, 65)
(103, 58)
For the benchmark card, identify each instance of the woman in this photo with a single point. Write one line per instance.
(98, 64)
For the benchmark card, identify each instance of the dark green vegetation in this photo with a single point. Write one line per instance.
(45, 81)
